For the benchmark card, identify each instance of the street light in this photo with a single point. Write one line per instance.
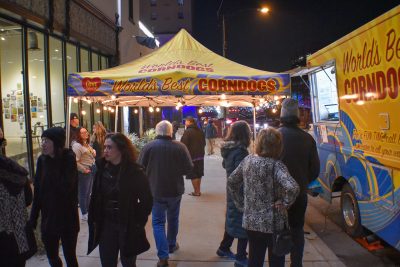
(263, 10)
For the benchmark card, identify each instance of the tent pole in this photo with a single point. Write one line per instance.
(116, 119)
(140, 121)
(67, 120)
(254, 125)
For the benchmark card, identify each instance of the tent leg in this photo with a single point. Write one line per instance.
(116, 119)
(67, 125)
(254, 124)
(140, 121)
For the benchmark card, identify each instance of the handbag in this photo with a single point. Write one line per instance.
(282, 240)
(30, 236)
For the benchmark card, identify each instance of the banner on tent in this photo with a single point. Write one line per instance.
(174, 85)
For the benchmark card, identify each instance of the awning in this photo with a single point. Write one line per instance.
(182, 69)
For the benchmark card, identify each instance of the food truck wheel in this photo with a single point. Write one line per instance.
(350, 212)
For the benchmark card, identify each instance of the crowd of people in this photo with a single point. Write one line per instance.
(116, 189)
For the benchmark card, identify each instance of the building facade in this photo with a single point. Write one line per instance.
(41, 42)
(166, 17)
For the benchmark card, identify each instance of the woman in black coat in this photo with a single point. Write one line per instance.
(120, 204)
(233, 151)
(56, 198)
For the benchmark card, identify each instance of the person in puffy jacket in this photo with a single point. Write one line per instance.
(233, 151)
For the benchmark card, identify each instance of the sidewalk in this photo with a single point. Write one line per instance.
(201, 229)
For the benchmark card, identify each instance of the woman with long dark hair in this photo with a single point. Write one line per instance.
(56, 198)
(233, 151)
(120, 203)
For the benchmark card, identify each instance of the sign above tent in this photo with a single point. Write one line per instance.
(181, 67)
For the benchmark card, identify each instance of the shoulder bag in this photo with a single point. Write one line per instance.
(282, 240)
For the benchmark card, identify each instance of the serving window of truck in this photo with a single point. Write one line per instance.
(325, 97)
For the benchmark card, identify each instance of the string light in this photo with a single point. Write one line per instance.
(97, 110)
(151, 109)
(75, 100)
(104, 108)
(112, 110)
(157, 109)
(113, 97)
(200, 110)
(135, 111)
(83, 112)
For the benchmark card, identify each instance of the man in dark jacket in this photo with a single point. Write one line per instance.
(195, 142)
(210, 132)
(301, 158)
(74, 127)
(165, 161)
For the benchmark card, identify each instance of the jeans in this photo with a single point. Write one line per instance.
(296, 222)
(68, 241)
(85, 189)
(165, 207)
(226, 244)
(111, 241)
(258, 244)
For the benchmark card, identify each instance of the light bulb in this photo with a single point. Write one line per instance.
(97, 110)
(274, 110)
(151, 109)
(157, 109)
(177, 107)
(113, 97)
(135, 111)
(200, 110)
(104, 108)
(75, 100)
(83, 112)
(112, 110)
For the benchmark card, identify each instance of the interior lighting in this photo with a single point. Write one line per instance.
(147, 32)
(360, 102)
(112, 110)
(228, 122)
(113, 97)
(104, 108)
(264, 10)
(2, 38)
(274, 110)
(177, 107)
(258, 108)
(223, 96)
(109, 108)
(265, 125)
(97, 110)
(257, 125)
(277, 102)
(157, 109)
(83, 112)
(75, 100)
(89, 101)
(200, 110)
(151, 109)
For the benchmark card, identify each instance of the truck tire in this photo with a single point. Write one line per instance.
(350, 212)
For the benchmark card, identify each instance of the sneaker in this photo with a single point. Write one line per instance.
(226, 253)
(172, 249)
(162, 263)
(241, 263)
(85, 217)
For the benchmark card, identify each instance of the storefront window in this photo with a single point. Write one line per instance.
(84, 60)
(97, 112)
(72, 68)
(95, 61)
(56, 82)
(12, 92)
(37, 87)
(86, 120)
(104, 63)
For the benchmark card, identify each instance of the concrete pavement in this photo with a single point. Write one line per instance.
(201, 229)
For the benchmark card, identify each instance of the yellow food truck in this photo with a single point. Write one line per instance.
(355, 99)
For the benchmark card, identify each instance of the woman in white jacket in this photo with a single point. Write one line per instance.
(268, 191)
(85, 158)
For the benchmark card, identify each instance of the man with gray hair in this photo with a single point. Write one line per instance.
(165, 161)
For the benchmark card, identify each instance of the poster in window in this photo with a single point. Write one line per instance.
(34, 115)
(13, 117)
(20, 111)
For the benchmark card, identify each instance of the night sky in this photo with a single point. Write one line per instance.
(292, 29)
